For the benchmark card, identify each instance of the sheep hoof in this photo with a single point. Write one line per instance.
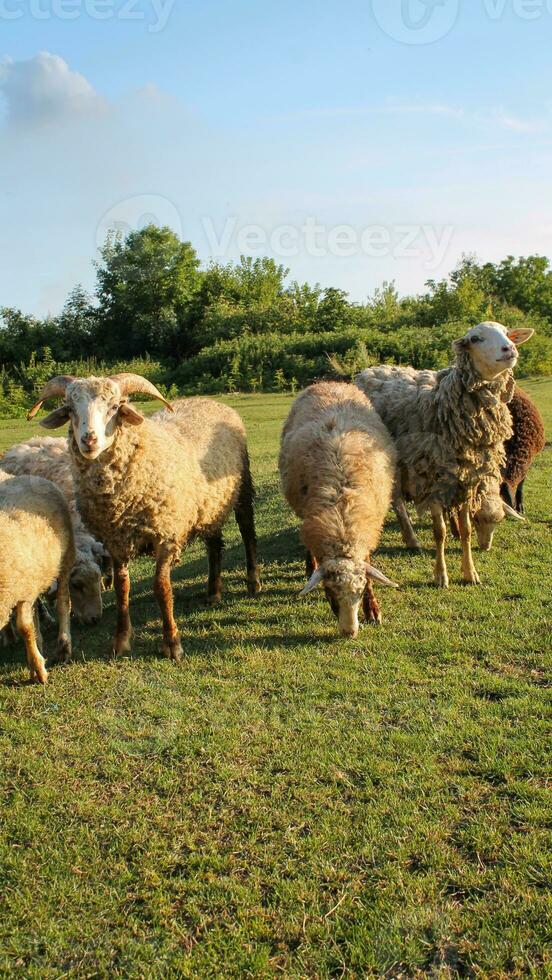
(254, 586)
(63, 652)
(472, 579)
(121, 645)
(39, 676)
(214, 600)
(441, 581)
(173, 650)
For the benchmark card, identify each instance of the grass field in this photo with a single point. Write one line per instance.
(285, 802)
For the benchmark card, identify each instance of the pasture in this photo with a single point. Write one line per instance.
(284, 802)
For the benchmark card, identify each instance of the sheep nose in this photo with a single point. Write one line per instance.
(89, 440)
(509, 349)
(349, 631)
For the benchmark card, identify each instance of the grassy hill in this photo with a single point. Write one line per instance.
(285, 802)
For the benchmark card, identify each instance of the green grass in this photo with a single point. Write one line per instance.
(285, 802)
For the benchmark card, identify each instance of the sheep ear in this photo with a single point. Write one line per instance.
(510, 512)
(461, 344)
(520, 336)
(129, 414)
(56, 419)
(380, 577)
(314, 580)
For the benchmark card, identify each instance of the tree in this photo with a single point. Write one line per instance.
(77, 325)
(334, 311)
(524, 282)
(146, 283)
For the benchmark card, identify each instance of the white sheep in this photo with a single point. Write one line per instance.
(337, 464)
(49, 458)
(450, 431)
(36, 547)
(151, 485)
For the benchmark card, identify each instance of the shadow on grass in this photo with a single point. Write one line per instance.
(95, 643)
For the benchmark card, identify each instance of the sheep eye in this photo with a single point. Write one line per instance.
(476, 340)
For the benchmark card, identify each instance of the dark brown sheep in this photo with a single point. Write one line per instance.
(526, 443)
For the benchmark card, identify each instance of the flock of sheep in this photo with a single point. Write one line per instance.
(73, 513)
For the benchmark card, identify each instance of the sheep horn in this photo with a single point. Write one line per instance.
(314, 580)
(380, 577)
(510, 512)
(55, 388)
(134, 384)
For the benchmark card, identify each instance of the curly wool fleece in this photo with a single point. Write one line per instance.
(449, 428)
(337, 465)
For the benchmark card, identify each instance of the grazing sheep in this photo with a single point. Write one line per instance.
(36, 547)
(337, 464)
(450, 431)
(151, 485)
(526, 443)
(49, 458)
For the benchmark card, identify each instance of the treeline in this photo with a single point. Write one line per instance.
(247, 327)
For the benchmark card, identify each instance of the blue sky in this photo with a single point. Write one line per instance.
(355, 142)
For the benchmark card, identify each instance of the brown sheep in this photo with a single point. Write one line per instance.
(526, 443)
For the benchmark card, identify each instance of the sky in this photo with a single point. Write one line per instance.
(355, 143)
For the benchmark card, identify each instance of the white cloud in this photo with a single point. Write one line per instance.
(502, 119)
(491, 118)
(44, 88)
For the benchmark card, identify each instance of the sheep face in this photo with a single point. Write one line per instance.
(492, 512)
(85, 587)
(492, 348)
(344, 582)
(486, 521)
(95, 408)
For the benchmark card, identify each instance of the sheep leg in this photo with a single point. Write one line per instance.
(454, 526)
(172, 647)
(370, 605)
(214, 554)
(440, 575)
(35, 660)
(403, 517)
(246, 523)
(311, 564)
(520, 506)
(44, 614)
(36, 624)
(507, 495)
(7, 635)
(123, 630)
(468, 568)
(63, 605)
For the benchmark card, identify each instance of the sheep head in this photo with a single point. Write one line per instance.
(491, 348)
(85, 586)
(491, 513)
(95, 407)
(344, 583)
